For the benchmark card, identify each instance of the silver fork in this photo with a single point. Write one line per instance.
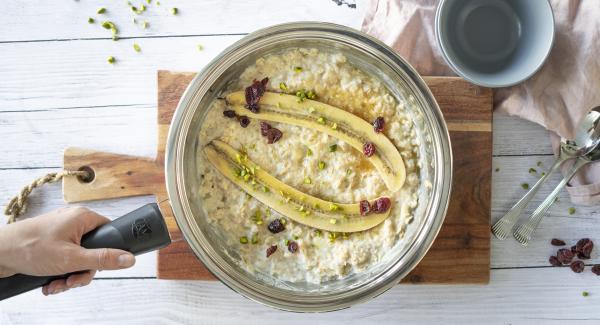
(503, 227)
(524, 232)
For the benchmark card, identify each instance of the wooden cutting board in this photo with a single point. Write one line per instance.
(461, 252)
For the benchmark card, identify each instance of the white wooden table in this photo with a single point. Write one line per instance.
(57, 90)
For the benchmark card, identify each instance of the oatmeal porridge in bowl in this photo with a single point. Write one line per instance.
(311, 167)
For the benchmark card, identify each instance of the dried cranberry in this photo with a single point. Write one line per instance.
(564, 255)
(276, 226)
(244, 121)
(584, 248)
(365, 207)
(264, 127)
(254, 92)
(554, 261)
(381, 205)
(229, 113)
(378, 124)
(557, 242)
(369, 149)
(273, 135)
(596, 269)
(577, 266)
(293, 247)
(271, 250)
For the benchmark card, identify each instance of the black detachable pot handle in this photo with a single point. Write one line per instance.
(140, 231)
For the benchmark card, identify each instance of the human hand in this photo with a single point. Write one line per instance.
(50, 245)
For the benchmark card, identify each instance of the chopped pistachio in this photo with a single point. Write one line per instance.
(318, 233)
(348, 171)
(525, 186)
(332, 221)
(174, 11)
(101, 10)
(309, 152)
(296, 237)
(287, 242)
(543, 174)
(145, 24)
(148, 1)
(321, 120)
(539, 163)
(265, 189)
(238, 157)
(158, 3)
(137, 47)
(111, 59)
(91, 20)
(332, 237)
(255, 239)
(585, 293)
(333, 147)
(532, 171)
(246, 177)
(268, 212)
(243, 240)
(301, 96)
(115, 38)
(142, 8)
(311, 109)
(108, 25)
(243, 172)
(572, 210)
(333, 207)
(321, 165)
(306, 213)
(283, 86)
(311, 94)
(345, 235)
(334, 126)
(283, 221)
(298, 69)
(307, 180)
(497, 169)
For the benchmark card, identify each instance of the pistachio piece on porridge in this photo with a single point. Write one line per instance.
(288, 201)
(353, 130)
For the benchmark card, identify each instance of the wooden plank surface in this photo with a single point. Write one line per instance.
(57, 91)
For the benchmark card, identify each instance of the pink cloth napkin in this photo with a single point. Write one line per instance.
(556, 97)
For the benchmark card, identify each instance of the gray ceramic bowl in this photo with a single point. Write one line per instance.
(495, 43)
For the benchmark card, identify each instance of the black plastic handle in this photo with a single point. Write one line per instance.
(140, 231)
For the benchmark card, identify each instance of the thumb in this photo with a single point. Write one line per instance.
(105, 259)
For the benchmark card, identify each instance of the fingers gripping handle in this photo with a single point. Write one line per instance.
(140, 231)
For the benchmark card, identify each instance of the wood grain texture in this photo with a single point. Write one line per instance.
(462, 248)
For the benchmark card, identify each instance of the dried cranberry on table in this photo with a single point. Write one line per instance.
(229, 113)
(292, 246)
(554, 261)
(577, 266)
(273, 135)
(271, 250)
(584, 248)
(369, 149)
(276, 226)
(564, 255)
(381, 205)
(365, 207)
(557, 242)
(264, 127)
(254, 92)
(378, 124)
(596, 269)
(244, 121)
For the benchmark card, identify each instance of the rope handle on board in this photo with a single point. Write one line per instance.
(18, 204)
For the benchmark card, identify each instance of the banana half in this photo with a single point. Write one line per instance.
(288, 201)
(333, 121)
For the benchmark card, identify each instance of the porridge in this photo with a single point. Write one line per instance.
(311, 172)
